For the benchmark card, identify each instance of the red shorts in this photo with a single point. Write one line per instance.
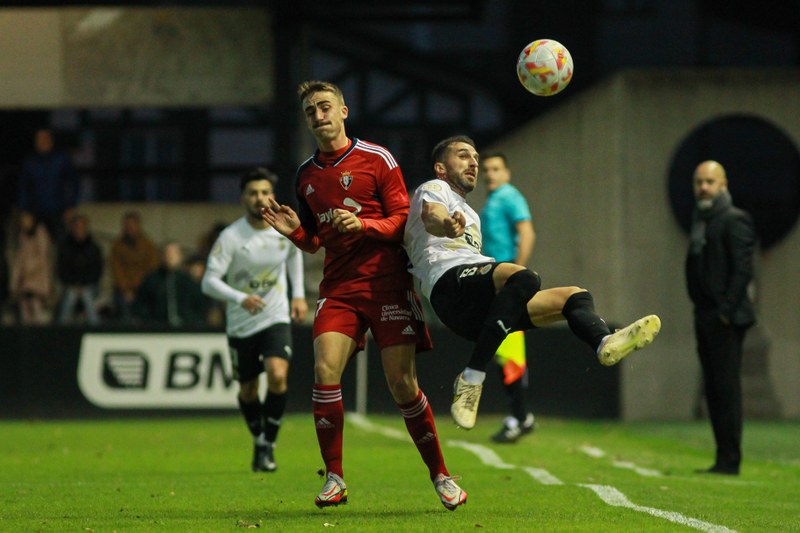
(393, 317)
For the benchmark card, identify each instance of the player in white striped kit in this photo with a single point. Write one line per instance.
(248, 269)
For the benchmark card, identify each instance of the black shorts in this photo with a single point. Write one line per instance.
(248, 353)
(462, 297)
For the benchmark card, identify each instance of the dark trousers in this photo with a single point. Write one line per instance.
(720, 350)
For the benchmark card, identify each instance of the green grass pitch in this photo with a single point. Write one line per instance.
(192, 474)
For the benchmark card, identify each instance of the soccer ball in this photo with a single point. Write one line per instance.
(544, 67)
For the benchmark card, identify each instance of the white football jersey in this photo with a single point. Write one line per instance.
(432, 256)
(246, 261)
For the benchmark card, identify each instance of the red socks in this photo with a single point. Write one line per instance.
(419, 422)
(329, 422)
(328, 408)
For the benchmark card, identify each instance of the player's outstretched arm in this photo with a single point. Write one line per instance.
(439, 223)
(281, 217)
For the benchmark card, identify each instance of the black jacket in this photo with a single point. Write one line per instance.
(152, 298)
(718, 276)
(79, 262)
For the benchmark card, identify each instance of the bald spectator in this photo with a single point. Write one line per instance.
(719, 267)
(169, 295)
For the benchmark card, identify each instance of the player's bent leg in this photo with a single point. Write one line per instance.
(277, 369)
(546, 305)
(625, 341)
(515, 287)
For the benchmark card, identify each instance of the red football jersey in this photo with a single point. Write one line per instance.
(363, 178)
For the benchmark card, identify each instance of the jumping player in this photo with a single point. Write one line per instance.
(483, 300)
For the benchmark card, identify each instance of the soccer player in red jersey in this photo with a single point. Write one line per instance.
(353, 202)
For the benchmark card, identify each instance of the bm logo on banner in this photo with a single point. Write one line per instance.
(151, 370)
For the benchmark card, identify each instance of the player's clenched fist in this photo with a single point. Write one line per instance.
(454, 225)
(346, 221)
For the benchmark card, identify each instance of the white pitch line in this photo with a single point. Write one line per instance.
(597, 453)
(362, 422)
(613, 497)
(608, 494)
(593, 452)
(647, 472)
(487, 456)
(542, 476)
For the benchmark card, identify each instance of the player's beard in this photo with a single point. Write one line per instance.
(255, 212)
(460, 182)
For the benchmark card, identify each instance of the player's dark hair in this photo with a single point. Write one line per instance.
(258, 174)
(499, 155)
(316, 86)
(439, 151)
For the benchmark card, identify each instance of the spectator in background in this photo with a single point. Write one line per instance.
(48, 185)
(133, 256)
(31, 284)
(719, 267)
(169, 295)
(80, 265)
(508, 236)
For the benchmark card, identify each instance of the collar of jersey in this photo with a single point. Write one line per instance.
(338, 160)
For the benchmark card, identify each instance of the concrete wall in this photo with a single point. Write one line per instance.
(595, 171)
(112, 56)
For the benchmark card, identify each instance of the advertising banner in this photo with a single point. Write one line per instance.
(156, 370)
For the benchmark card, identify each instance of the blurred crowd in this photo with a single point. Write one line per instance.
(54, 271)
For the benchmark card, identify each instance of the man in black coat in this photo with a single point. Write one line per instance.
(719, 268)
(80, 265)
(169, 295)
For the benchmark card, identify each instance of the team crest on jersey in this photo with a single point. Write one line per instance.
(346, 179)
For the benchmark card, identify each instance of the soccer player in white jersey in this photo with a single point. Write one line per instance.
(484, 300)
(248, 269)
